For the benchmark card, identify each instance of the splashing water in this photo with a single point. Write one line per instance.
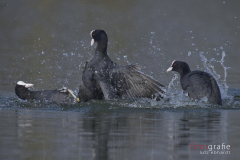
(171, 82)
(175, 96)
(208, 67)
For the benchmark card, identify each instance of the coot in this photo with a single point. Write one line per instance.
(63, 95)
(198, 84)
(102, 78)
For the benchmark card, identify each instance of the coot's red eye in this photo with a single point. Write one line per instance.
(20, 86)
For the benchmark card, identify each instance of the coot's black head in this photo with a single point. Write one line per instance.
(99, 36)
(181, 67)
(22, 89)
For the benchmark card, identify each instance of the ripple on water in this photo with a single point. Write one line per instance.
(173, 100)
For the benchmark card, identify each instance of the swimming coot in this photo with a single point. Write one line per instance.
(198, 84)
(102, 78)
(63, 95)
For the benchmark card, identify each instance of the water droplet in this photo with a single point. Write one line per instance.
(189, 53)
(65, 54)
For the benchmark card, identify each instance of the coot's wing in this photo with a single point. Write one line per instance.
(129, 81)
(199, 85)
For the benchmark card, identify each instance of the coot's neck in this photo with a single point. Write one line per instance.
(101, 48)
(185, 70)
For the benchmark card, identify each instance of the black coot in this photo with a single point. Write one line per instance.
(102, 78)
(198, 84)
(63, 95)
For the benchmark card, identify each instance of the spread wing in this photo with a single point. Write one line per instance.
(129, 81)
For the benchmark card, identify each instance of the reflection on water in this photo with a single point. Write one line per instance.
(102, 131)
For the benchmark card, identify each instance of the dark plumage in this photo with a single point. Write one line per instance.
(102, 78)
(58, 95)
(198, 84)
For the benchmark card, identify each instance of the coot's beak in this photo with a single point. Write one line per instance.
(92, 41)
(28, 85)
(169, 69)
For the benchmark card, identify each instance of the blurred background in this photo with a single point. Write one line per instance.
(47, 42)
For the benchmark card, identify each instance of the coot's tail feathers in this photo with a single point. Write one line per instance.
(135, 84)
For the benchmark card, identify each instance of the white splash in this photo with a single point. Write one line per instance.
(208, 67)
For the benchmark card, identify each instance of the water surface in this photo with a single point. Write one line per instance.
(113, 130)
